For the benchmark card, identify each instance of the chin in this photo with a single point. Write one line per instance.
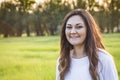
(74, 44)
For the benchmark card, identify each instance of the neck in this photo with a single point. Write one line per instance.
(78, 52)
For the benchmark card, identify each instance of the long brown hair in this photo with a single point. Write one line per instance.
(92, 43)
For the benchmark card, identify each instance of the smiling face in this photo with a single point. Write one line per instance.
(75, 30)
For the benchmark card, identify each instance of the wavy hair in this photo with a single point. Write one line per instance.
(92, 43)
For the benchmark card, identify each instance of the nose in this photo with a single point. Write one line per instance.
(73, 30)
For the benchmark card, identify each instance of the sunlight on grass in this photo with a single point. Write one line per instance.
(34, 58)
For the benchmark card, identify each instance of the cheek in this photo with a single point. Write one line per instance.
(67, 35)
(66, 32)
(83, 33)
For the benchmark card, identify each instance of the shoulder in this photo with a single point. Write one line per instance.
(104, 55)
(57, 71)
(105, 58)
(107, 66)
(57, 61)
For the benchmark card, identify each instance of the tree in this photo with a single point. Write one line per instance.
(23, 8)
(54, 12)
(7, 19)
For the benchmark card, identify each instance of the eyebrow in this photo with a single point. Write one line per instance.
(76, 24)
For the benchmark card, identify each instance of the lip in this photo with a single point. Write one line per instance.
(74, 36)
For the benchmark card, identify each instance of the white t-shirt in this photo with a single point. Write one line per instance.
(79, 68)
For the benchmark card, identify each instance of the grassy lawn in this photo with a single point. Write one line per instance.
(34, 58)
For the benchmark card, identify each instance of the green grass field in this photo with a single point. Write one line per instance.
(34, 58)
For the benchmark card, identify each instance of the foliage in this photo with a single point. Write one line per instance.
(26, 16)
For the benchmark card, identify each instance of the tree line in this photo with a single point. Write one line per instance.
(19, 17)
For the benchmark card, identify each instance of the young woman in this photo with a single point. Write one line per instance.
(82, 54)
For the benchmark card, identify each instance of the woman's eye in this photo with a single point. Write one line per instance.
(68, 27)
(79, 27)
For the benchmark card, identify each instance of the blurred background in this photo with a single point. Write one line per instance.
(44, 17)
(30, 34)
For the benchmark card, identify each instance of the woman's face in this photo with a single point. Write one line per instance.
(75, 30)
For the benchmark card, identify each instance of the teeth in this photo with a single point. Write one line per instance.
(74, 36)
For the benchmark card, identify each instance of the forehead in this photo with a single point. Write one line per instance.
(75, 20)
